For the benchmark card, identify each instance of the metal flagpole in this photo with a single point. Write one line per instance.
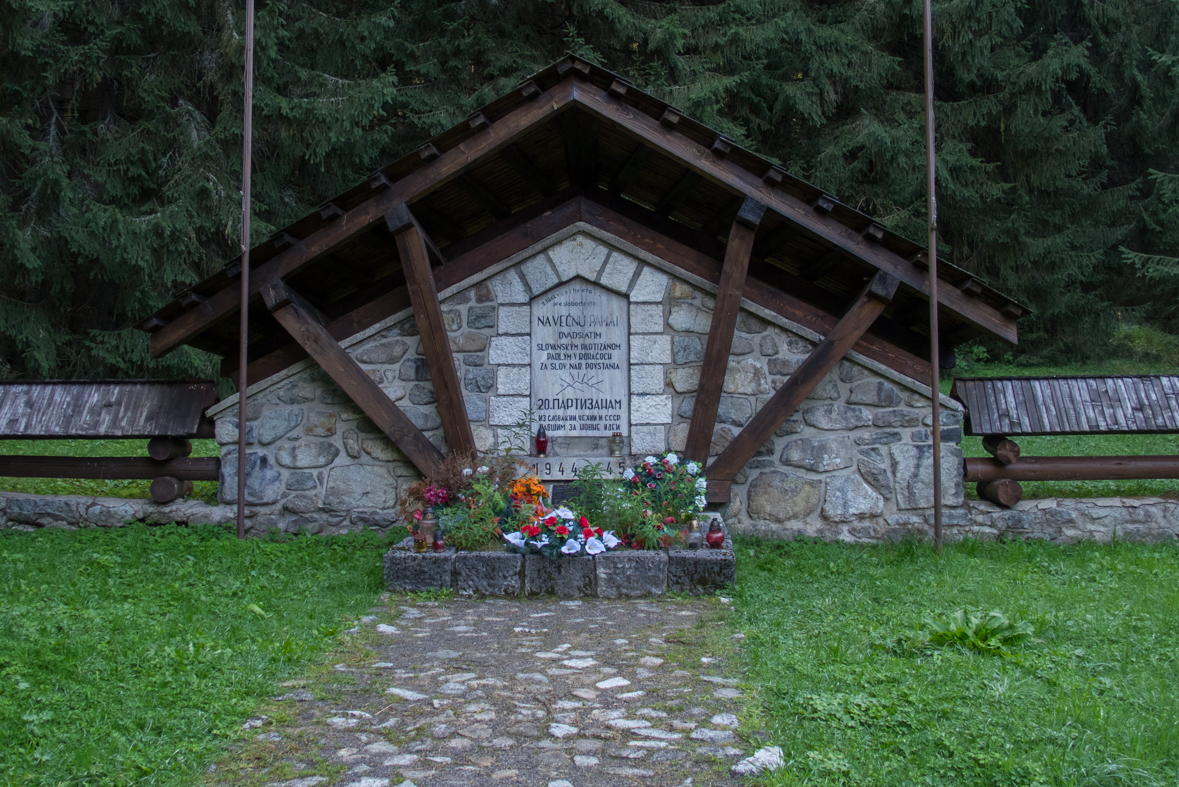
(934, 357)
(244, 325)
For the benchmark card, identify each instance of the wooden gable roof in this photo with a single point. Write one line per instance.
(579, 143)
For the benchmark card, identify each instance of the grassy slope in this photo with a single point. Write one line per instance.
(1080, 445)
(1090, 702)
(202, 490)
(130, 656)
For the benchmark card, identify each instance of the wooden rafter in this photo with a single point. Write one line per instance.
(430, 176)
(700, 256)
(822, 359)
(678, 192)
(465, 262)
(630, 170)
(729, 294)
(427, 311)
(518, 160)
(306, 326)
(824, 227)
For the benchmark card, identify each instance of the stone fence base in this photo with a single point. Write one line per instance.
(1060, 520)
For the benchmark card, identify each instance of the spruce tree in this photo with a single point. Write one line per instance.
(120, 136)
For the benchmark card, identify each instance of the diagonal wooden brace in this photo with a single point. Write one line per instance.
(306, 326)
(423, 294)
(863, 312)
(720, 331)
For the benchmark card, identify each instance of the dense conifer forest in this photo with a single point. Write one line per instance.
(120, 138)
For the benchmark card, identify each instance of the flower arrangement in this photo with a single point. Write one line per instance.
(557, 532)
(676, 489)
(483, 505)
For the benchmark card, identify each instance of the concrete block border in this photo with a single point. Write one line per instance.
(618, 574)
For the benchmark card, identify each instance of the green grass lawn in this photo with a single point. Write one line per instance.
(1079, 445)
(132, 656)
(842, 685)
(202, 490)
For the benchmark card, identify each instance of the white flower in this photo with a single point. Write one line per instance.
(650, 460)
(672, 459)
(540, 542)
(628, 474)
(700, 501)
(701, 484)
(515, 539)
(564, 513)
(610, 540)
(571, 547)
(593, 546)
(467, 471)
(482, 469)
(693, 468)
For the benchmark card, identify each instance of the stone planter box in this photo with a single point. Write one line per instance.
(619, 574)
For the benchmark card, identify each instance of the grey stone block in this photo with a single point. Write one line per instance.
(488, 573)
(630, 573)
(699, 571)
(568, 577)
(408, 571)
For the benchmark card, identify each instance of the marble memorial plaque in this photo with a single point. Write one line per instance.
(580, 361)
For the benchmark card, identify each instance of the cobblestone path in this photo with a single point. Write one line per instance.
(496, 692)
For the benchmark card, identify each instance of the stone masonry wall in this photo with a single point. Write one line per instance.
(853, 463)
(1062, 521)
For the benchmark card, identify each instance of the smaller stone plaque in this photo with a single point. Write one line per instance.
(564, 468)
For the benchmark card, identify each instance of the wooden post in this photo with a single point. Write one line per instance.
(165, 489)
(863, 312)
(419, 280)
(1002, 491)
(1000, 447)
(244, 284)
(305, 325)
(162, 449)
(720, 331)
(934, 351)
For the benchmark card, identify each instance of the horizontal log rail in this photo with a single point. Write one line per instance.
(1073, 468)
(109, 468)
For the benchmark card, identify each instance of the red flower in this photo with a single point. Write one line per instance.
(670, 520)
(587, 533)
(598, 530)
(531, 530)
(651, 485)
(561, 530)
(583, 522)
(552, 520)
(418, 515)
(659, 475)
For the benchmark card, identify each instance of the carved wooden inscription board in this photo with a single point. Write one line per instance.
(581, 361)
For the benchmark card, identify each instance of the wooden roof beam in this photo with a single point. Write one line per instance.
(581, 148)
(463, 265)
(729, 293)
(430, 176)
(630, 170)
(825, 227)
(821, 265)
(678, 193)
(423, 294)
(307, 327)
(478, 192)
(798, 386)
(774, 240)
(519, 161)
